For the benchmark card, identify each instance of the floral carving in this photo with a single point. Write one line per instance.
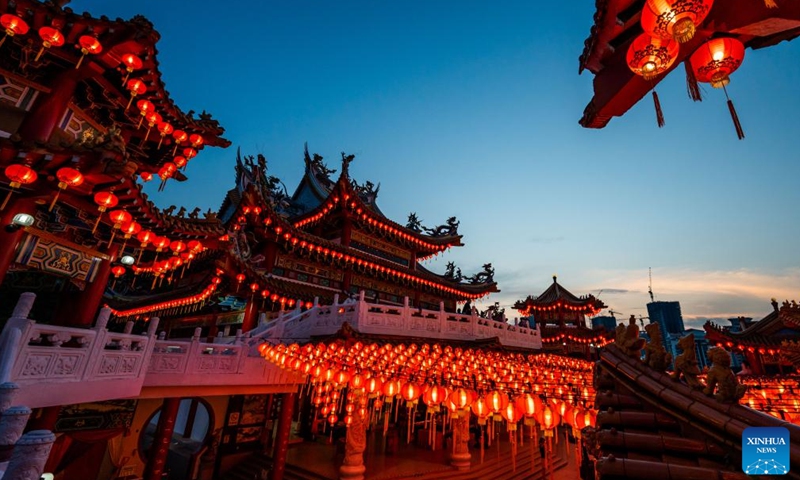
(35, 365)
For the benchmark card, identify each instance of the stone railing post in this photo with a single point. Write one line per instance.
(24, 305)
(355, 443)
(30, 455)
(128, 327)
(12, 423)
(152, 327)
(336, 299)
(7, 392)
(361, 296)
(316, 301)
(461, 456)
(11, 336)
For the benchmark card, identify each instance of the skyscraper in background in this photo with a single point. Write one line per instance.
(668, 315)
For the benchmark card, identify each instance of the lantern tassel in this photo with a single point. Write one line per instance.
(735, 118)
(659, 113)
(692, 87)
(5, 201)
(55, 199)
(113, 233)
(38, 55)
(96, 223)
(3, 40)
(80, 60)
(770, 4)
(141, 120)
(129, 102)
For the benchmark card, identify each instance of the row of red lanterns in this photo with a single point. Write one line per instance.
(23, 174)
(669, 23)
(560, 305)
(176, 303)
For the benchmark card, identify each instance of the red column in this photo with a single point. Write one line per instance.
(48, 109)
(250, 315)
(43, 419)
(157, 456)
(282, 436)
(86, 303)
(10, 236)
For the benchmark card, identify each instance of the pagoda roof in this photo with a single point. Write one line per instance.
(617, 22)
(556, 294)
(770, 332)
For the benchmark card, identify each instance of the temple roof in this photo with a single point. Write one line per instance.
(556, 294)
(779, 325)
(617, 22)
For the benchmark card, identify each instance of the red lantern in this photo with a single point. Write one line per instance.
(145, 107)
(146, 176)
(89, 44)
(177, 247)
(391, 388)
(677, 19)
(512, 414)
(118, 217)
(649, 57)
(189, 153)
(496, 401)
(104, 201)
(13, 26)
(130, 229)
(179, 161)
(67, 177)
(19, 175)
(136, 87)
(713, 63)
(411, 392)
(434, 396)
(118, 271)
(165, 129)
(254, 287)
(460, 398)
(131, 62)
(196, 140)
(152, 119)
(161, 243)
(51, 37)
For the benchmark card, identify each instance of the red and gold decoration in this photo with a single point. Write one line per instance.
(714, 62)
(136, 87)
(164, 129)
(18, 175)
(132, 63)
(674, 19)
(145, 107)
(88, 44)
(104, 201)
(13, 25)
(168, 307)
(649, 57)
(119, 217)
(67, 177)
(51, 37)
(179, 136)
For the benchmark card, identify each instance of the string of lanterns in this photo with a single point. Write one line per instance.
(668, 24)
(178, 303)
(597, 341)
(776, 396)
(559, 305)
(454, 382)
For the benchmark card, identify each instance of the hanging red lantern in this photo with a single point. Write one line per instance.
(434, 396)
(130, 229)
(153, 118)
(196, 140)
(131, 62)
(136, 87)
(179, 161)
(649, 57)
(119, 217)
(391, 388)
(88, 44)
(676, 19)
(411, 392)
(104, 201)
(146, 176)
(460, 398)
(481, 410)
(512, 415)
(164, 129)
(177, 247)
(51, 37)
(496, 401)
(145, 107)
(194, 245)
(13, 25)
(254, 287)
(67, 177)
(118, 271)
(189, 153)
(19, 175)
(180, 136)
(714, 62)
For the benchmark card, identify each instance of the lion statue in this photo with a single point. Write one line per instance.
(720, 377)
(627, 339)
(686, 363)
(655, 355)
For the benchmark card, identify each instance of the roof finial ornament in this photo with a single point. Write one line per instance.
(346, 159)
(774, 302)
(555, 278)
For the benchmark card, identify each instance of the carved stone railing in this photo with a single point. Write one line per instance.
(36, 356)
(403, 320)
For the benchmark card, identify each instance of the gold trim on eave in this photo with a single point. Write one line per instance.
(54, 238)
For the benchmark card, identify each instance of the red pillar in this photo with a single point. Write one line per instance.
(84, 309)
(157, 456)
(48, 109)
(43, 419)
(10, 236)
(282, 436)
(250, 315)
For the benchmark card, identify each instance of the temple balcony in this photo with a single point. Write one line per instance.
(399, 321)
(56, 365)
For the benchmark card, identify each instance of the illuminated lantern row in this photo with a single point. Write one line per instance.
(598, 341)
(507, 385)
(170, 304)
(776, 396)
(713, 63)
(18, 175)
(560, 305)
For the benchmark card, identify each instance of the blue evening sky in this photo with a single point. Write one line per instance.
(470, 108)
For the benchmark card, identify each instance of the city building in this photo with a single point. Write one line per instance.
(669, 318)
(604, 321)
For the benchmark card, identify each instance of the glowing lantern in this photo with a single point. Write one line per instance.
(89, 44)
(480, 409)
(528, 404)
(332, 419)
(677, 19)
(144, 237)
(119, 217)
(196, 140)
(511, 414)
(165, 129)
(145, 107)
(391, 388)
(13, 26)
(161, 243)
(131, 62)
(411, 392)
(713, 63)
(254, 287)
(19, 175)
(189, 153)
(460, 398)
(180, 136)
(67, 177)
(136, 87)
(130, 229)
(104, 201)
(434, 396)
(117, 271)
(51, 37)
(549, 419)
(179, 161)
(373, 386)
(649, 57)
(357, 381)
(177, 247)
(496, 401)
(152, 119)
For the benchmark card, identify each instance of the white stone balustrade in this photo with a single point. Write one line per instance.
(403, 320)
